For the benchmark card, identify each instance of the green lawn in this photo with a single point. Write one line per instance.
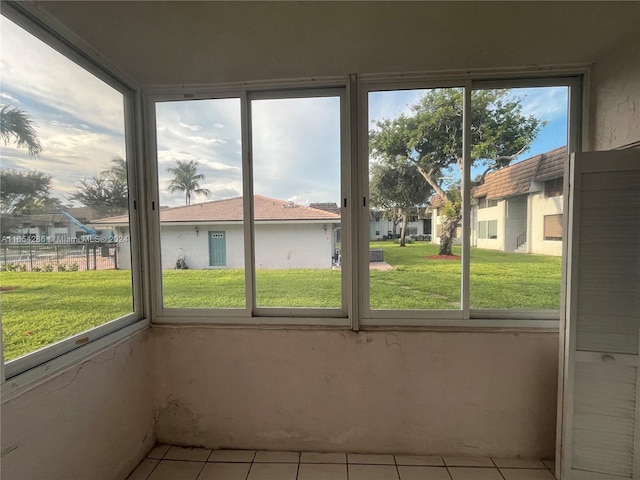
(44, 307)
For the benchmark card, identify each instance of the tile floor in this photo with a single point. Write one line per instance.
(167, 462)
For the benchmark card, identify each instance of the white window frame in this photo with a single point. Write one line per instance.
(252, 314)
(26, 369)
(465, 316)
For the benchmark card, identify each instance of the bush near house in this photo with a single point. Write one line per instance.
(40, 308)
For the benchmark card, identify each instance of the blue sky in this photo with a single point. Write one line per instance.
(79, 120)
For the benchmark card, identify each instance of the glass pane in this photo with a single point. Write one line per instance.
(65, 256)
(296, 175)
(518, 149)
(201, 213)
(415, 165)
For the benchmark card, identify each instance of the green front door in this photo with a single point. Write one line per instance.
(217, 249)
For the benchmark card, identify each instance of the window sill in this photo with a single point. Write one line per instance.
(22, 382)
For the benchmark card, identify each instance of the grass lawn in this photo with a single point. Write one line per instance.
(44, 307)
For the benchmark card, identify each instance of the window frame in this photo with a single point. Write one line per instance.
(48, 359)
(466, 316)
(251, 314)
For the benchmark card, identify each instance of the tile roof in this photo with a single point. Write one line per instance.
(327, 207)
(517, 178)
(229, 210)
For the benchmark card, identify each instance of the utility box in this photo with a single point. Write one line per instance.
(376, 255)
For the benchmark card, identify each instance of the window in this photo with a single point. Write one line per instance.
(296, 169)
(67, 276)
(201, 228)
(488, 229)
(413, 275)
(263, 254)
(513, 268)
(553, 227)
(553, 187)
(484, 203)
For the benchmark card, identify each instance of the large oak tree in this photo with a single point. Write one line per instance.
(430, 138)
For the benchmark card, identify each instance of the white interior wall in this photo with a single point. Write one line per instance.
(615, 97)
(94, 420)
(399, 391)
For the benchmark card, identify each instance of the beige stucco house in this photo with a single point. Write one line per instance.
(518, 208)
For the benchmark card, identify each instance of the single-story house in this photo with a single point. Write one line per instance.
(52, 227)
(517, 208)
(210, 235)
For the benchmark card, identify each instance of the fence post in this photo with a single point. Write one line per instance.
(95, 257)
(86, 250)
(31, 257)
(57, 253)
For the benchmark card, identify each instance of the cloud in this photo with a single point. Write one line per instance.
(546, 103)
(194, 128)
(296, 145)
(78, 118)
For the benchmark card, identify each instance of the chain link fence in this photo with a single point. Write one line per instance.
(41, 257)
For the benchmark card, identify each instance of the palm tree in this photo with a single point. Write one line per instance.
(187, 179)
(17, 126)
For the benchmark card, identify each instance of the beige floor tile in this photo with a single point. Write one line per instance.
(322, 471)
(423, 473)
(473, 473)
(188, 454)
(176, 470)
(158, 451)
(517, 463)
(322, 457)
(273, 471)
(370, 459)
(241, 456)
(419, 460)
(225, 471)
(267, 456)
(373, 472)
(143, 470)
(526, 474)
(468, 462)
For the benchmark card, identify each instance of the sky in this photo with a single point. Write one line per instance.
(296, 142)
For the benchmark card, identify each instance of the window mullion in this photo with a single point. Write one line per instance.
(247, 194)
(466, 202)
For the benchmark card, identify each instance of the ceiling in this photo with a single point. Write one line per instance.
(173, 43)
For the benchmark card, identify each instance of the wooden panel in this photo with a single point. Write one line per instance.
(609, 267)
(604, 419)
(607, 333)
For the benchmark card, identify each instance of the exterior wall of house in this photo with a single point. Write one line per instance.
(294, 245)
(541, 206)
(515, 223)
(448, 393)
(378, 229)
(485, 215)
(615, 98)
(94, 420)
(514, 217)
(194, 246)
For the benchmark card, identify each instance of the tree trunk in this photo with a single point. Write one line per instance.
(447, 234)
(403, 230)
